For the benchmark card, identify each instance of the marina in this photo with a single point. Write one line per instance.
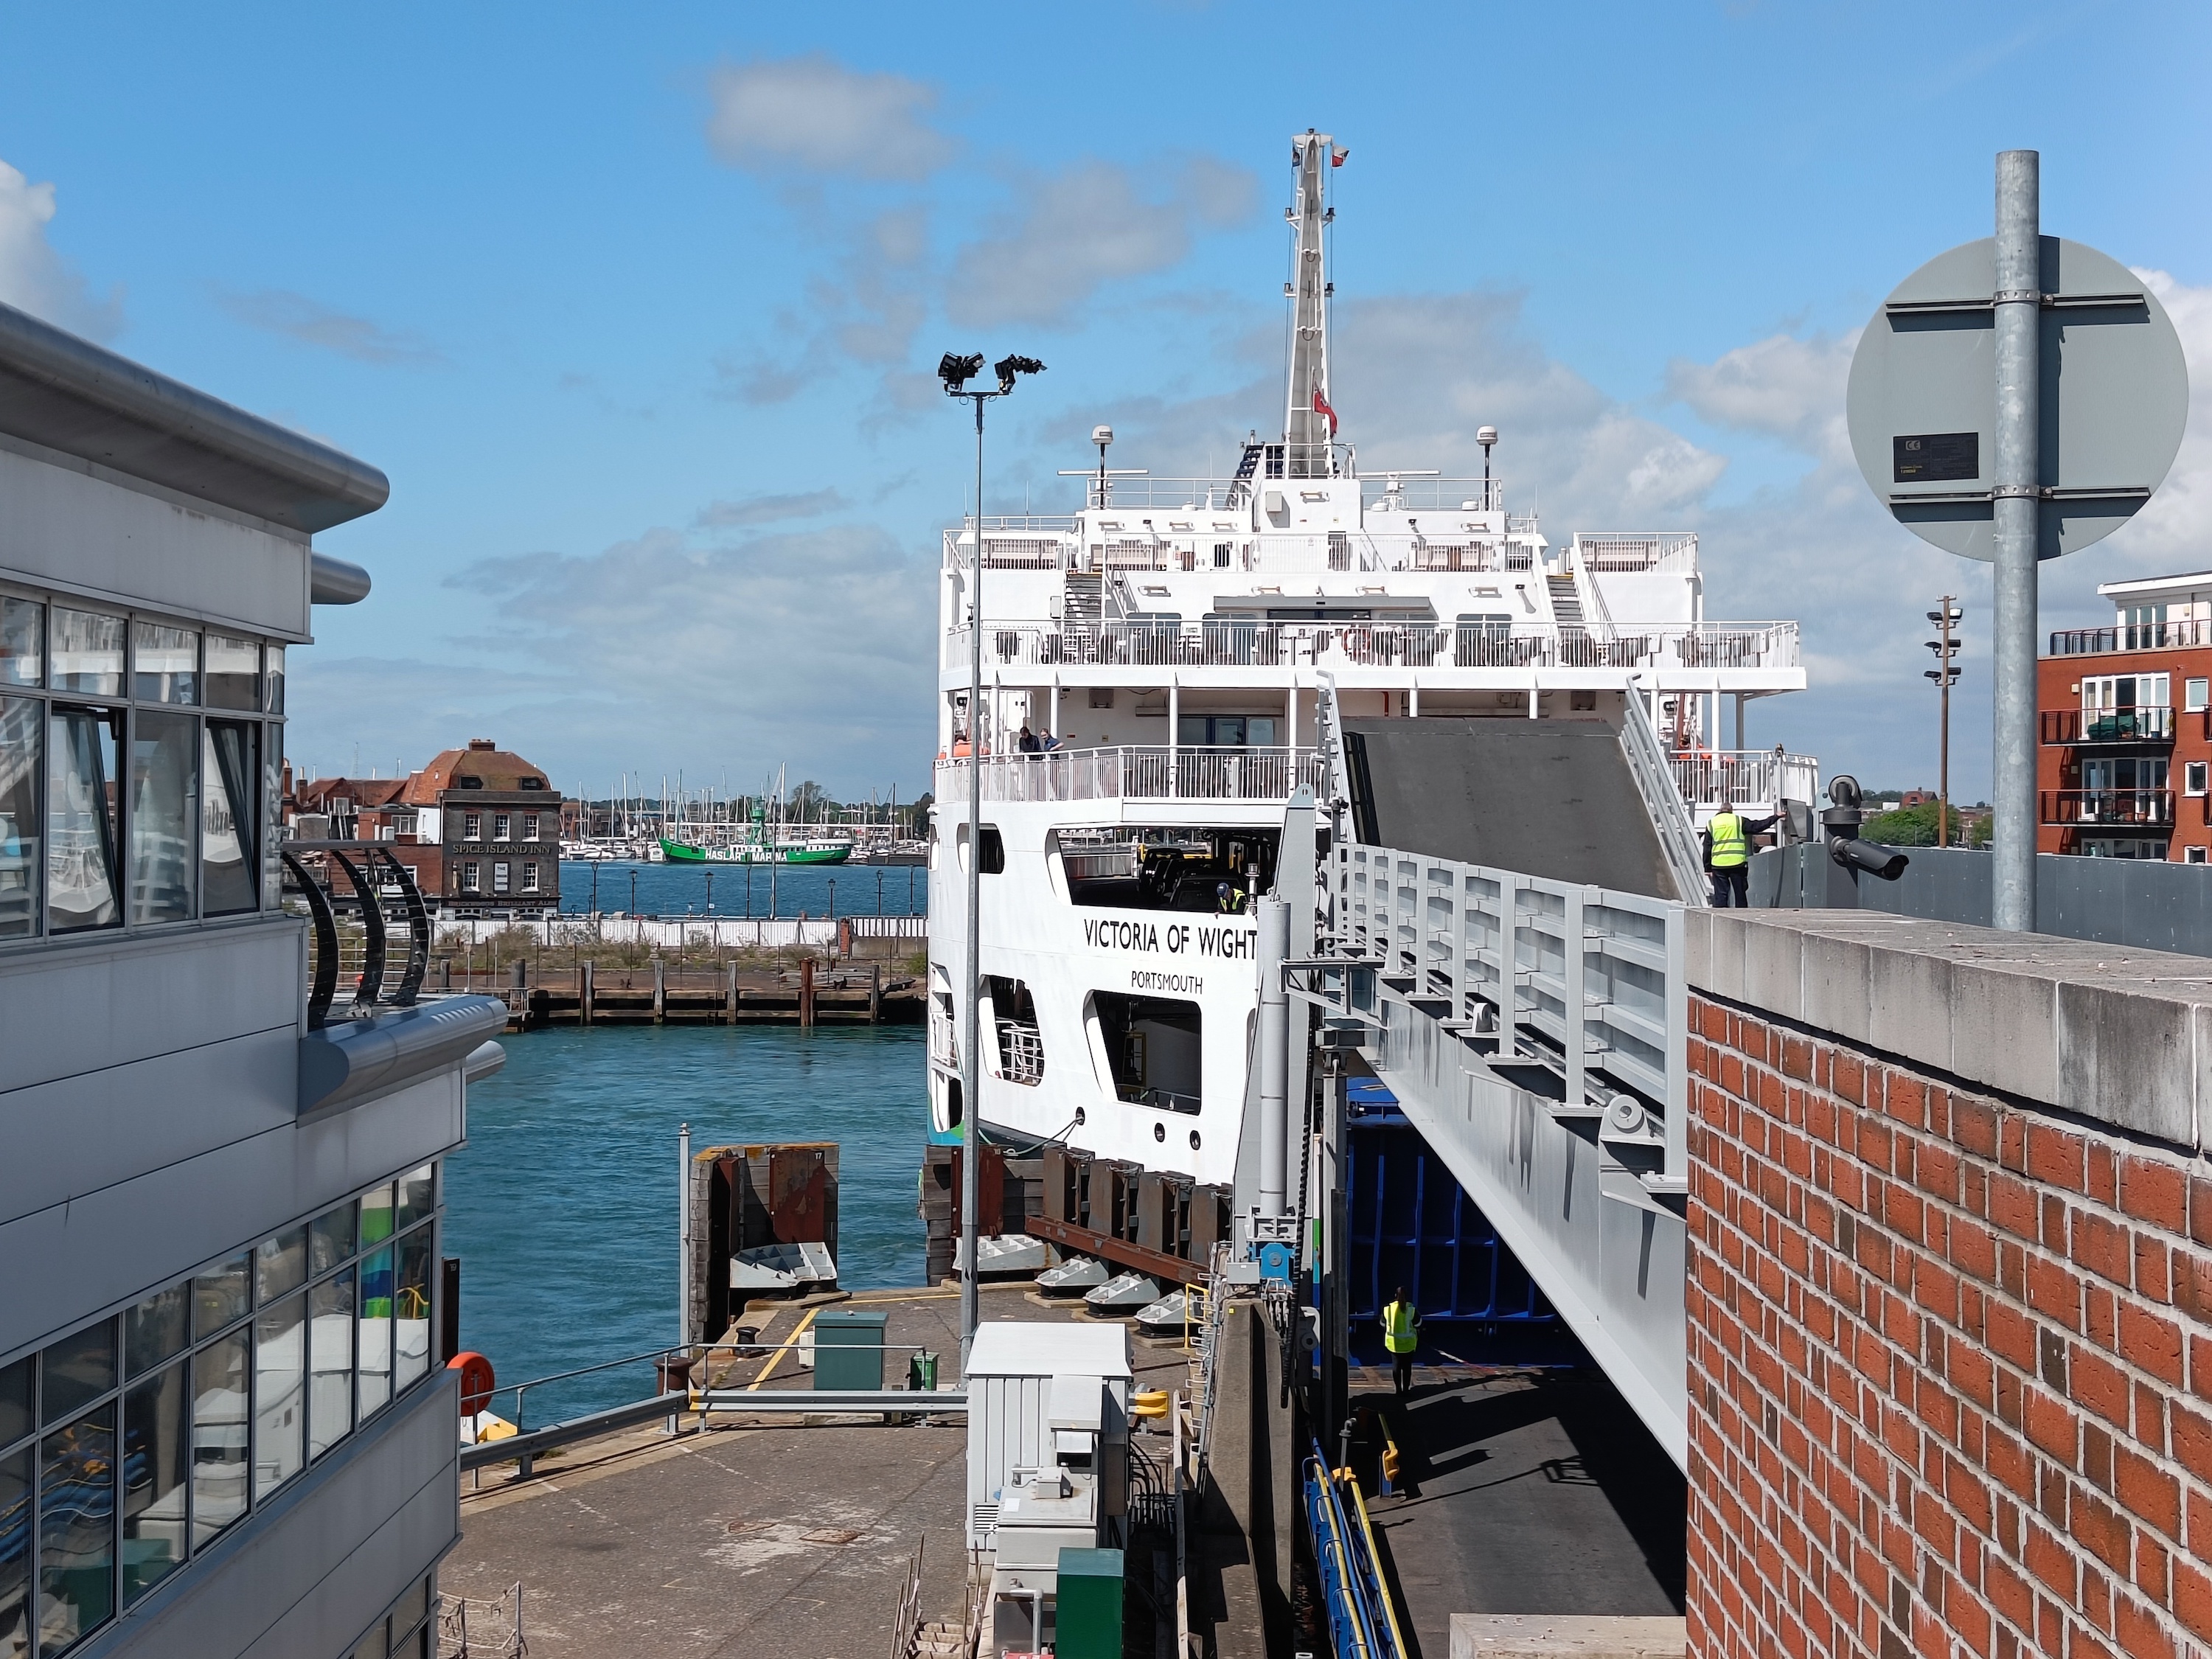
(1158, 1021)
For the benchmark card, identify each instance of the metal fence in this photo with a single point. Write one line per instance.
(2140, 903)
(1485, 644)
(1745, 777)
(1136, 773)
(1583, 983)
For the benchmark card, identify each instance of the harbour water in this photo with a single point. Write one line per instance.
(677, 889)
(562, 1205)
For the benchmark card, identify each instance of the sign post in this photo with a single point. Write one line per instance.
(2015, 399)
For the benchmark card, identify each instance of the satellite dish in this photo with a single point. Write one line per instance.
(1922, 405)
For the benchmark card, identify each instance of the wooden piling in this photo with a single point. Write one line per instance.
(875, 994)
(730, 993)
(584, 993)
(661, 991)
(806, 991)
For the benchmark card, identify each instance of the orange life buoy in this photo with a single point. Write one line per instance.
(477, 1381)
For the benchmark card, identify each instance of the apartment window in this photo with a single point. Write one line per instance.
(2194, 695)
(2193, 855)
(530, 826)
(470, 879)
(139, 1441)
(499, 826)
(22, 641)
(530, 877)
(87, 656)
(165, 663)
(499, 876)
(120, 804)
(233, 672)
(472, 826)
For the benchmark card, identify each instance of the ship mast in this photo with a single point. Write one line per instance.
(1309, 423)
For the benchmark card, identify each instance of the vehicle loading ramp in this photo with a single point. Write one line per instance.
(1552, 798)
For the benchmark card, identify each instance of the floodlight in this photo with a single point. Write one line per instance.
(957, 372)
(1007, 368)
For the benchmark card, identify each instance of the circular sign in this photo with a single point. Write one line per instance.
(1922, 405)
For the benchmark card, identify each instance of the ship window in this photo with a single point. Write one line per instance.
(994, 850)
(1153, 1047)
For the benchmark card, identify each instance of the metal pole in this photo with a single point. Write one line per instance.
(1273, 1039)
(971, 1140)
(1943, 747)
(2018, 513)
(684, 1234)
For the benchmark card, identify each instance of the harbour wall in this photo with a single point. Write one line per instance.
(715, 933)
(1950, 1297)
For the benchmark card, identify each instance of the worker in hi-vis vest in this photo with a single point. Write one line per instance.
(1401, 1325)
(1728, 856)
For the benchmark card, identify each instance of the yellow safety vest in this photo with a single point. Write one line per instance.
(1398, 1328)
(1730, 848)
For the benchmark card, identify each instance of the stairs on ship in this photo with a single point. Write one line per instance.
(1082, 605)
(1576, 650)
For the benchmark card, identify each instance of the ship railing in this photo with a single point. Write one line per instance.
(1481, 643)
(1132, 773)
(1390, 492)
(1021, 1052)
(1627, 551)
(1585, 982)
(1711, 779)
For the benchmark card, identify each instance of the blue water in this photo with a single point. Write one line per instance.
(562, 1205)
(679, 890)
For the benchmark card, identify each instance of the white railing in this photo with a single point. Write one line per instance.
(1021, 1052)
(1584, 982)
(1633, 550)
(1136, 773)
(1426, 646)
(1381, 491)
(1744, 777)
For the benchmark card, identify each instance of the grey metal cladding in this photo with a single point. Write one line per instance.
(94, 1249)
(71, 395)
(309, 1572)
(350, 1059)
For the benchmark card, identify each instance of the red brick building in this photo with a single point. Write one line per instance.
(2126, 751)
(478, 828)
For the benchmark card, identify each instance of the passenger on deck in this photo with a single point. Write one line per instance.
(1228, 900)
(1049, 744)
(1027, 742)
(1728, 856)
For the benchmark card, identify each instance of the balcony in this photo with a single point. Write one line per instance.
(2148, 724)
(2138, 637)
(2115, 810)
(1137, 773)
(1374, 645)
(1744, 777)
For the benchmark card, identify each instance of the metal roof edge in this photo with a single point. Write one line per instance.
(70, 395)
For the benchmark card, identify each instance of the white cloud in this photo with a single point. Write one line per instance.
(296, 316)
(1069, 233)
(814, 114)
(1789, 388)
(813, 646)
(767, 509)
(34, 277)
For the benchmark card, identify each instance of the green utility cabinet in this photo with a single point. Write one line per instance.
(1087, 1618)
(848, 1348)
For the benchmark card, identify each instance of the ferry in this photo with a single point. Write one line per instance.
(1181, 643)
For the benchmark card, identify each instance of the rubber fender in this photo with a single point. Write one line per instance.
(477, 1381)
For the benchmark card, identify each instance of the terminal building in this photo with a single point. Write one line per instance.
(2125, 764)
(226, 1427)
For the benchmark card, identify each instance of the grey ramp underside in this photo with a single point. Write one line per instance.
(1544, 798)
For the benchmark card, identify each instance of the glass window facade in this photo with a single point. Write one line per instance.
(121, 806)
(128, 1447)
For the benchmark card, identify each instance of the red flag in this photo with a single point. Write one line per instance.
(1338, 156)
(1321, 407)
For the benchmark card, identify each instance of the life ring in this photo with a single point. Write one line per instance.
(477, 1381)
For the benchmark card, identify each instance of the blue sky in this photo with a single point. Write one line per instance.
(637, 308)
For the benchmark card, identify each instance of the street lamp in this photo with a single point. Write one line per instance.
(955, 372)
(1945, 675)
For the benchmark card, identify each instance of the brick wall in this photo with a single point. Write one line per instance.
(1950, 1366)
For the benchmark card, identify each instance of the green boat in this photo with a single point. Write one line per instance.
(820, 850)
